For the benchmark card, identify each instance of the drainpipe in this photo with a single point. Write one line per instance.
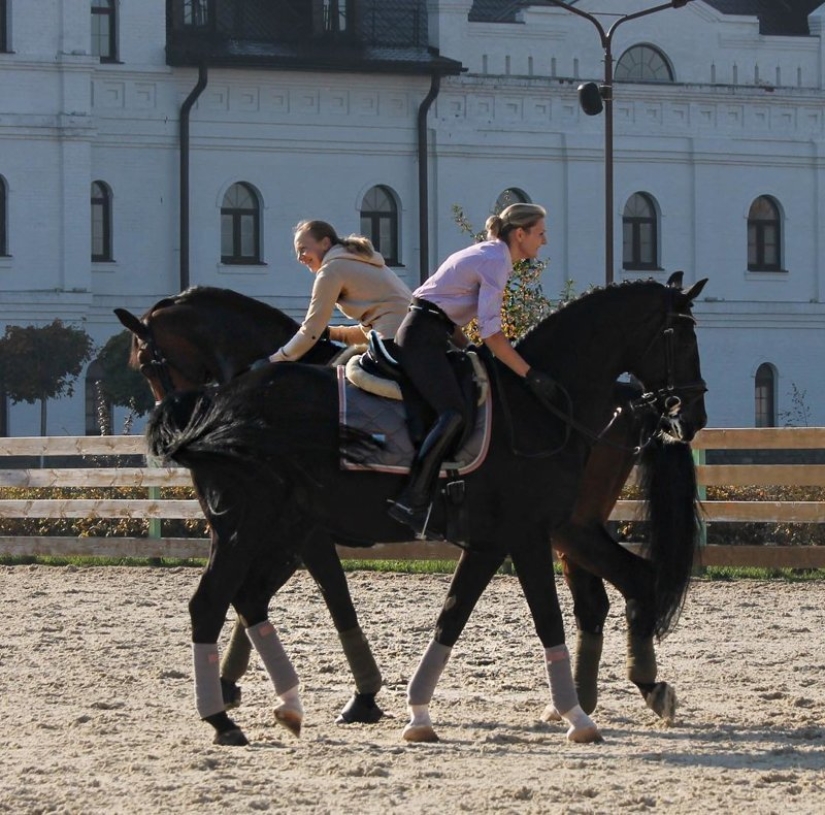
(185, 109)
(423, 180)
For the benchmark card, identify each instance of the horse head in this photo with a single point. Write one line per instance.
(670, 367)
(166, 370)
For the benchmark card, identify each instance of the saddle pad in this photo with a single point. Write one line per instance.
(385, 420)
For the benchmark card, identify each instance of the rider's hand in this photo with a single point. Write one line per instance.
(542, 386)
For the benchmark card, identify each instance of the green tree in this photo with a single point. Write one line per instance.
(38, 364)
(122, 385)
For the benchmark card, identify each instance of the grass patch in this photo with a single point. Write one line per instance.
(754, 573)
(719, 573)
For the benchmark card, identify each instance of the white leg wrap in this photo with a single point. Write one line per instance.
(426, 676)
(563, 693)
(560, 678)
(420, 716)
(206, 662)
(265, 639)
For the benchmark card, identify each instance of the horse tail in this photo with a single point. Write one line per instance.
(668, 482)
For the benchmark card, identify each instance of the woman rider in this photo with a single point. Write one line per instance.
(468, 284)
(351, 275)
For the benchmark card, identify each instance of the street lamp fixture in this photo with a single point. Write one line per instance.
(594, 99)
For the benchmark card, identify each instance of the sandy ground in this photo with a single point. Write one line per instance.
(98, 713)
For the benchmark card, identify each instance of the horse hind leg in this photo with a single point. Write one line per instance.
(472, 575)
(289, 711)
(322, 562)
(534, 567)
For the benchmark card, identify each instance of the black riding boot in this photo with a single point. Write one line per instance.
(412, 507)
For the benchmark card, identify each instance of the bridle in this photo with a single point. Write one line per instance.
(664, 404)
(158, 368)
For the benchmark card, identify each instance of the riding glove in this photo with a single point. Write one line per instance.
(542, 386)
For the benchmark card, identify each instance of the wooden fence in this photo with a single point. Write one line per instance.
(153, 507)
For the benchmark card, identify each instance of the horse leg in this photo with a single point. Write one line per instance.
(534, 568)
(322, 562)
(207, 610)
(235, 662)
(590, 608)
(251, 603)
(596, 551)
(660, 697)
(472, 575)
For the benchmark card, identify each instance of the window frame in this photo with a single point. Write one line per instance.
(103, 204)
(636, 262)
(758, 229)
(644, 62)
(4, 211)
(110, 12)
(764, 394)
(4, 27)
(371, 221)
(237, 215)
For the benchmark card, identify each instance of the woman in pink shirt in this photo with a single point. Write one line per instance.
(468, 284)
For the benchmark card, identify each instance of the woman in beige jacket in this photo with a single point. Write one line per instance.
(351, 275)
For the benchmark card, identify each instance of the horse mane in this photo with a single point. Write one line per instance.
(215, 297)
(579, 309)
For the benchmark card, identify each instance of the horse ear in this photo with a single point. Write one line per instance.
(675, 280)
(132, 323)
(695, 290)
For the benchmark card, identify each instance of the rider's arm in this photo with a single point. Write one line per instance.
(348, 334)
(325, 292)
(504, 351)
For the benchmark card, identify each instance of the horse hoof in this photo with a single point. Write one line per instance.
(419, 733)
(290, 719)
(231, 738)
(361, 708)
(589, 734)
(231, 694)
(550, 714)
(662, 701)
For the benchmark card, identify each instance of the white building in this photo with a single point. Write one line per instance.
(133, 135)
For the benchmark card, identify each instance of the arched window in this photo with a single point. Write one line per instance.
(104, 30)
(240, 225)
(101, 222)
(764, 236)
(640, 233)
(643, 63)
(765, 396)
(99, 410)
(512, 195)
(4, 208)
(379, 222)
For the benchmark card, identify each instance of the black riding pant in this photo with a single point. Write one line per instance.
(422, 341)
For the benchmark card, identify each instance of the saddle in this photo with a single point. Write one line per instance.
(378, 371)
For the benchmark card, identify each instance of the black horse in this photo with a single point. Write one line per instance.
(207, 335)
(210, 335)
(266, 448)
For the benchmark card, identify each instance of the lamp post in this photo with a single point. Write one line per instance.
(593, 99)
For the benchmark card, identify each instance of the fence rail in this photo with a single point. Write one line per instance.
(154, 508)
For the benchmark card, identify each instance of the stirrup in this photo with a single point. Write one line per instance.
(411, 517)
